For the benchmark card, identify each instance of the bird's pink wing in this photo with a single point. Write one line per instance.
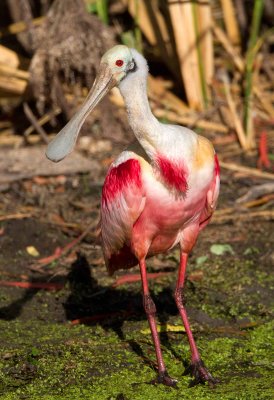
(122, 203)
(212, 196)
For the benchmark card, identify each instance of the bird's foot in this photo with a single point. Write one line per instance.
(201, 374)
(165, 379)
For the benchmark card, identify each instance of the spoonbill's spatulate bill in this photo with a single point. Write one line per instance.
(159, 193)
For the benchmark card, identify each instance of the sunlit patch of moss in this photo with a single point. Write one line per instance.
(41, 360)
(55, 361)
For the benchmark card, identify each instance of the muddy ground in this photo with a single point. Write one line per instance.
(88, 337)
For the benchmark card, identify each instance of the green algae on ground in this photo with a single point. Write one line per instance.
(56, 361)
(229, 306)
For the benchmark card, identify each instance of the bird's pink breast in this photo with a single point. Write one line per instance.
(161, 221)
(141, 216)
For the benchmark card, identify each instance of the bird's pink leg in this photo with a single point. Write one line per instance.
(199, 370)
(150, 310)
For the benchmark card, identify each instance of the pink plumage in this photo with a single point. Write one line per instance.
(160, 192)
(173, 172)
(119, 178)
(217, 166)
(150, 217)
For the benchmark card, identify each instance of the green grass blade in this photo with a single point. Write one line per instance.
(102, 10)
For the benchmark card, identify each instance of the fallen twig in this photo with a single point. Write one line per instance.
(31, 117)
(137, 277)
(33, 285)
(190, 121)
(261, 214)
(8, 57)
(231, 22)
(43, 120)
(256, 191)
(15, 216)
(247, 170)
(259, 202)
(62, 224)
(232, 106)
(12, 72)
(12, 85)
(60, 252)
(18, 27)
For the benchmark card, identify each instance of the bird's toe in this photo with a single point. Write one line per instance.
(165, 379)
(201, 374)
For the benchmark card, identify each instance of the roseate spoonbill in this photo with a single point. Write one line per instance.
(160, 192)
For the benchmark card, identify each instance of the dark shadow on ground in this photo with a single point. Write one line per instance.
(111, 307)
(90, 303)
(88, 298)
(13, 310)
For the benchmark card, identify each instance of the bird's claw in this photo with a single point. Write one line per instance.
(165, 379)
(201, 374)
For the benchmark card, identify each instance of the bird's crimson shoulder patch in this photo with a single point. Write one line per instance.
(119, 177)
(174, 173)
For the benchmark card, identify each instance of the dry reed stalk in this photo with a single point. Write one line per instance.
(249, 64)
(8, 57)
(168, 102)
(259, 202)
(9, 139)
(231, 23)
(230, 49)
(43, 120)
(12, 85)
(172, 116)
(157, 90)
(31, 117)
(239, 64)
(152, 24)
(159, 26)
(205, 26)
(265, 103)
(13, 72)
(181, 15)
(217, 94)
(232, 107)
(247, 170)
(262, 214)
(198, 37)
(18, 27)
(143, 19)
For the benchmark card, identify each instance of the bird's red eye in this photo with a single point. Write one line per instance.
(119, 63)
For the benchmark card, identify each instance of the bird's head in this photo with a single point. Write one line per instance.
(118, 61)
(115, 65)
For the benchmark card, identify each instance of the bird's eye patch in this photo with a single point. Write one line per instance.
(119, 63)
(132, 67)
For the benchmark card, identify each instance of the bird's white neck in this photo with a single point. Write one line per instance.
(143, 123)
